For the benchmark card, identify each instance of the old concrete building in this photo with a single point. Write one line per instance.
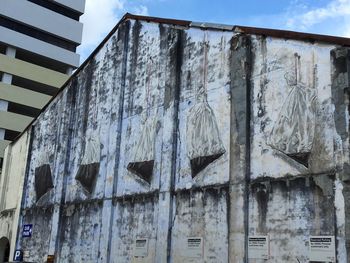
(191, 142)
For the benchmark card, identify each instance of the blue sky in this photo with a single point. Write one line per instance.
(330, 17)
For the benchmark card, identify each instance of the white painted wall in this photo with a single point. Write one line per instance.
(11, 185)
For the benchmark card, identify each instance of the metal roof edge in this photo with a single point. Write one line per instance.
(213, 26)
(170, 21)
(278, 33)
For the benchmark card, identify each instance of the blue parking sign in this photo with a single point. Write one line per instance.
(18, 256)
(27, 230)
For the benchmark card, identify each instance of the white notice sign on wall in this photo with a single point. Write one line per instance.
(141, 247)
(258, 247)
(194, 247)
(322, 248)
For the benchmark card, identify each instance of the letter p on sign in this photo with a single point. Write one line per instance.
(18, 256)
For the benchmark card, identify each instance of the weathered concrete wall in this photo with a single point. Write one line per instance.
(134, 220)
(80, 231)
(173, 137)
(11, 185)
(340, 59)
(274, 62)
(201, 214)
(297, 154)
(289, 214)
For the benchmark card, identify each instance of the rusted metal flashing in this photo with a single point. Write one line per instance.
(213, 26)
(184, 23)
(292, 35)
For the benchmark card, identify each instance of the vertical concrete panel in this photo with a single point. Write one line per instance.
(171, 53)
(135, 219)
(240, 70)
(36, 248)
(340, 60)
(202, 215)
(80, 233)
(119, 57)
(289, 212)
(84, 109)
(216, 89)
(143, 105)
(274, 61)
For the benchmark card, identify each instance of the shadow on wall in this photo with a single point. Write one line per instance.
(4, 250)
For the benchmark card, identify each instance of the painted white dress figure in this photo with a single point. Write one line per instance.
(204, 143)
(294, 130)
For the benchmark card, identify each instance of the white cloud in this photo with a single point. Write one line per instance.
(336, 12)
(100, 17)
(141, 10)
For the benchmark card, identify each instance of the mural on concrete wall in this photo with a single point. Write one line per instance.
(293, 113)
(204, 144)
(43, 177)
(294, 129)
(142, 160)
(175, 209)
(143, 157)
(90, 164)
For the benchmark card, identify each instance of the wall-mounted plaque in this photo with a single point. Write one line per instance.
(194, 247)
(258, 247)
(322, 248)
(141, 247)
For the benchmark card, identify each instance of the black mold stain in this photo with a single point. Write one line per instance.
(340, 58)
(238, 78)
(169, 53)
(87, 82)
(263, 83)
(43, 180)
(318, 209)
(262, 197)
(135, 40)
